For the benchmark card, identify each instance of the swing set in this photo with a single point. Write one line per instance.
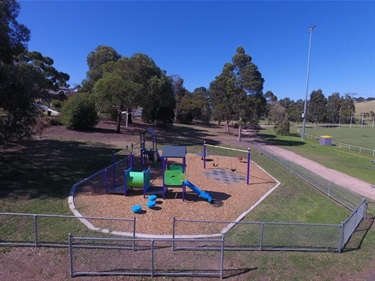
(233, 163)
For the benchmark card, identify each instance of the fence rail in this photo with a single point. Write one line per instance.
(102, 242)
(153, 257)
(358, 149)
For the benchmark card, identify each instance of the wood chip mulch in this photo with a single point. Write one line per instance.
(229, 200)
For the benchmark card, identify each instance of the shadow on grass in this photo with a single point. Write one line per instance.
(356, 240)
(186, 136)
(48, 168)
(273, 140)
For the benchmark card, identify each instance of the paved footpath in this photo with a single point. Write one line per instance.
(358, 186)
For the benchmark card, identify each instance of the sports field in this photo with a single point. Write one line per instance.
(363, 137)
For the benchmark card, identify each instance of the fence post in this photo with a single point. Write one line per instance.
(248, 166)
(134, 227)
(36, 230)
(152, 258)
(222, 257)
(173, 232)
(329, 188)
(204, 154)
(114, 168)
(341, 242)
(261, 236)
(70, 254)
(106, 181)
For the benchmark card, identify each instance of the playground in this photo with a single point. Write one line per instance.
(218, 192)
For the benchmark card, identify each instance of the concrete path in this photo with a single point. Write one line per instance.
(358, 186)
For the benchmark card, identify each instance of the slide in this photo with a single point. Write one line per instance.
(201, 193)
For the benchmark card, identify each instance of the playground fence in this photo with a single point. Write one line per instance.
(43, 230)
(268, 236)
(153, 257)
(102, 242)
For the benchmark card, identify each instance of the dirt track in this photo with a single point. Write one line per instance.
(358, 186)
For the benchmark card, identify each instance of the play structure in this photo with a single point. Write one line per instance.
(132, 179)
(240, 158)
(151, 153)
(175, 176)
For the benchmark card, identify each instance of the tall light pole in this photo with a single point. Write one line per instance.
(307, 85)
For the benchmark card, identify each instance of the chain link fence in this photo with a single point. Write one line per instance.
(336, 192)
(51, 230)
(153, 257)
(269, 236)
(95, 248)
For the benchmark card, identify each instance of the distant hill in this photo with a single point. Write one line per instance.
(365, 106)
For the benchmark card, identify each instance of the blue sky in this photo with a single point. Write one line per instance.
(194, 39)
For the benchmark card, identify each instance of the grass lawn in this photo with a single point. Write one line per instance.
(362, 137)
(348, 162)
(37, 177)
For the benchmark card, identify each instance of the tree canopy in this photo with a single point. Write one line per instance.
(131, 82)
(236, 94)
(24, 76)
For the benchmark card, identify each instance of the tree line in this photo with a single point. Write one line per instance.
(117, 84)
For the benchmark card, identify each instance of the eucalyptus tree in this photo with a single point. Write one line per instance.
(334, 108)
(317, 107)
(347, 109)
(270, 98)
(236, 94)
(201, 104)
(280, 118)
(135, 82)
(24, 76)
(95, 61)
(226, 96)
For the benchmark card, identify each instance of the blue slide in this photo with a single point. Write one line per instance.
(201, 193)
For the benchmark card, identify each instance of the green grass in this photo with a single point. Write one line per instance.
(363, 137)
(348, 162)
(31, 182)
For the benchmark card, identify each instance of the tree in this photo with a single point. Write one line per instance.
(334, 108)
(317, 107)
(96, 59)
(79, 112)
(236, 94)
(270, 98)
(280, 117)
(226, 96)
(201, 104)
(24, 76)
(179, 92)
(347, 110)
(13, 35)
(131, 82)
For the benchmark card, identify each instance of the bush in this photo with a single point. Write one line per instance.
(79, 112)
(57, 104)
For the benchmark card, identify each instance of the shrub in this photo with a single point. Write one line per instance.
(57, 104)
(79, 112)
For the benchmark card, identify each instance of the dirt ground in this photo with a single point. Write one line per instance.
(52, 264)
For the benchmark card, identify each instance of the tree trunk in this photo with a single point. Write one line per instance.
(239, 133)
(118, 122)
(227, 127)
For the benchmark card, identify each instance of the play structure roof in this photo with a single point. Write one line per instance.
(170, 151)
